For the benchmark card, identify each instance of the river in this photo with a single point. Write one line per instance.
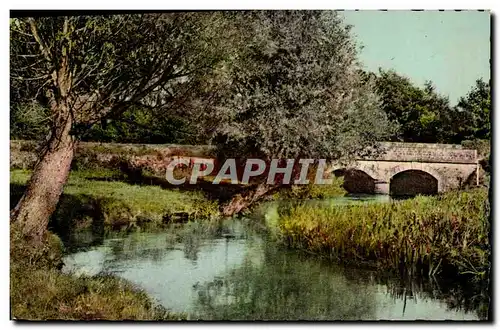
(234, 271)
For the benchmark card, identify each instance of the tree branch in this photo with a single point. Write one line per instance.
(43, 47)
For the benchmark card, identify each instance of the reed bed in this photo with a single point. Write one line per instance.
(446, 234)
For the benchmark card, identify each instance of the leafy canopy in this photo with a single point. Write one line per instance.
(293, 89)
(100, 66)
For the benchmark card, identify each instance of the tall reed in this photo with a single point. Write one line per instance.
(425, 235)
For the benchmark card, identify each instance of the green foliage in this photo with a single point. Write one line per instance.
(138, 125)
(147, 61)
(29, 121)
(473, 113)
(483, 147)
(292, 89)
(425, 235)
(425, 116)
(421, 113)
(288, 67)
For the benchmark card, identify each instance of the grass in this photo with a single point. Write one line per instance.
(39, 291)
(94, 194)
(424, 235)
(313, 191)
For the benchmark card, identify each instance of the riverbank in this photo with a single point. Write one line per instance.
(441, 235)
(40, 291)
(105, 199)
(101, 198)
(99, 201)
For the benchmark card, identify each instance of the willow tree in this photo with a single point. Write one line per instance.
(293, 89)
(89, 68)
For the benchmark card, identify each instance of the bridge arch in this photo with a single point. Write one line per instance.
(418, 168)
(412, 182)
(356, 180)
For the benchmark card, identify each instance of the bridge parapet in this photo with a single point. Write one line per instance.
(423, 152)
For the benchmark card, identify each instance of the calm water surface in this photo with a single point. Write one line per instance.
(232, 271)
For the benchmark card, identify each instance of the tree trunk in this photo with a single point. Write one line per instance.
(46, 184)
(240, 202)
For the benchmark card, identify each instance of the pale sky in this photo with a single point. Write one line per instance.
(450, 48)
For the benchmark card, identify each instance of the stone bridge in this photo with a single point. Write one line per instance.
(411, 168)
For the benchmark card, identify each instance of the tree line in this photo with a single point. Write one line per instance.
(266, 84)
(420, 114)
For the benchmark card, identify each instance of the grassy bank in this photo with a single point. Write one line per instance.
(93, 198)
(39, 291)
(99, 200)
(425, 235)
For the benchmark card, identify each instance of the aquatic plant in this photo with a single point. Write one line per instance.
(424, 235)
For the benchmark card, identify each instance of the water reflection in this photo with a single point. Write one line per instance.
(230, 270)
(283, 286)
